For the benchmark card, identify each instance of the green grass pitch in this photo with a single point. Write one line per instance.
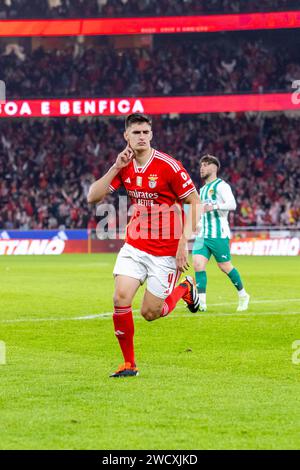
(219, 380)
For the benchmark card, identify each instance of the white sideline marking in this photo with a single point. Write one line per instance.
(106, 316)
(233, 314)
(263, 301)
(182, 315)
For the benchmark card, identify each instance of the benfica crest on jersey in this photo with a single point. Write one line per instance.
(152, 181)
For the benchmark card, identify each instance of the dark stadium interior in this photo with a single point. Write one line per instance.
(46, 166)
(183, 64)
(131, 8)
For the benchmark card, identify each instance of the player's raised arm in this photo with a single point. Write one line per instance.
(190, 225)
(100, 188)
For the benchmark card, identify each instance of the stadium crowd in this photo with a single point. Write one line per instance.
(131, 8)
(46, 166)
(188, 64)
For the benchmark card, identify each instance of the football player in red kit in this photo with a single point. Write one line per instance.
(156, 238)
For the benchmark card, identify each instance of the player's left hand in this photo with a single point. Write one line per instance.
(182, 263)
(208, 208)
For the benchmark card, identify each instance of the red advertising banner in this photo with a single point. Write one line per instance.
(106, 246)
(42, 247)
(153, 25)
(162, 105)
(257, 246)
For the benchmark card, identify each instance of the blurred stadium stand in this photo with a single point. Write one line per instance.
(46, 166)
(185, 64)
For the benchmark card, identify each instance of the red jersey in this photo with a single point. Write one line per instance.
(156, 190)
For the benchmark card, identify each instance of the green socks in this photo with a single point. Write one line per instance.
(201, 281)
(234, 276)
(235, 279)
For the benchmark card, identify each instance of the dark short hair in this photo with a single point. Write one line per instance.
(210, 159)
(137, 118)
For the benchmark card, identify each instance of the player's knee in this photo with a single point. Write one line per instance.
(225, 267)
(121, 297)
(198, 266)
(148, 315)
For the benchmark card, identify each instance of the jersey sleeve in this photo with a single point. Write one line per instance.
(116, 183)
(228, 200)
(182, 184)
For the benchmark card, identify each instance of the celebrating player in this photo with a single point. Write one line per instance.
(156, 242)
(213, 238)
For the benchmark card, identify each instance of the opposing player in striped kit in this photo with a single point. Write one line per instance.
(213, 237)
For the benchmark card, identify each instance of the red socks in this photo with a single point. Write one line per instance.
(172, 299)
(124, 326)
(124, 331)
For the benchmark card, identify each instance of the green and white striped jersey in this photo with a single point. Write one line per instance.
(214, 224)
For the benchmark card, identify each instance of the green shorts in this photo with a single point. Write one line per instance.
(219, 247)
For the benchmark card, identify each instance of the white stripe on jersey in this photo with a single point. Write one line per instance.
(168, 160)
(187, 193)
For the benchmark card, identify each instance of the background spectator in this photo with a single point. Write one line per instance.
(233, 62)
(46, 166)
(127, 8)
